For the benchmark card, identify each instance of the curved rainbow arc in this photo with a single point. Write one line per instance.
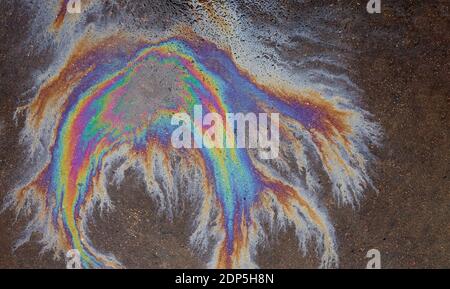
(96, 124)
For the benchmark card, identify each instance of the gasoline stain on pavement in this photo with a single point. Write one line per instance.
(87, 164)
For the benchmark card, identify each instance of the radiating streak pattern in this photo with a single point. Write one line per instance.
(109, 109)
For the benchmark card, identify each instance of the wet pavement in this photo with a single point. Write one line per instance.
(399, 60)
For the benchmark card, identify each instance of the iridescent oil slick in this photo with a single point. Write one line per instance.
(110, 100)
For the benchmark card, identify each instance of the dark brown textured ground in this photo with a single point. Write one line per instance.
(403, 65)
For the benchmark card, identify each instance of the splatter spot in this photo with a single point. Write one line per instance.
(111, 101)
